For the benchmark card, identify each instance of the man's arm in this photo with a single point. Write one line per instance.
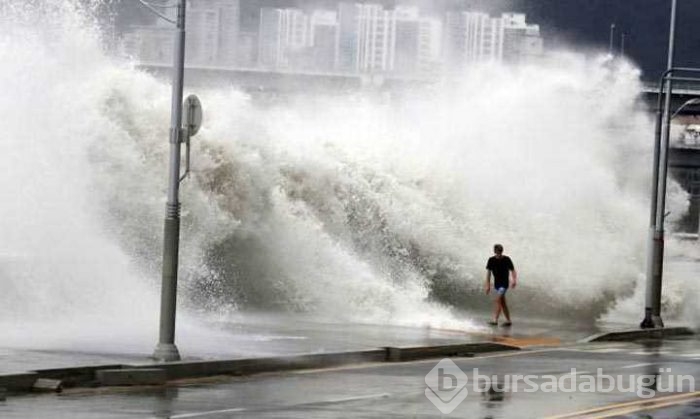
(514, 278)
(487, 285)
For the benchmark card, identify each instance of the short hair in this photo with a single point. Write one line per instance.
(497, 248)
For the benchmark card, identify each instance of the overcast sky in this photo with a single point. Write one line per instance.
(583, 24)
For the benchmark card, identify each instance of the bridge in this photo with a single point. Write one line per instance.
(684, 167)
(681, 94)
(682, 157)
(258, 79)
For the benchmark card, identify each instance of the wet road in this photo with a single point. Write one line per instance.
(259, 335)
(399, 390)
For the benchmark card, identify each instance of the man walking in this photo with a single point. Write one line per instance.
(501, 267)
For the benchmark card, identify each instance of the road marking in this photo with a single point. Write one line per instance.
(606, 350)
(383, 364)
(345, 399)
(642, 408)
(522, 341)
(527, 341)
(644, 364)
(243, 409)
(211, 412)
(503, 355)
(643, 404)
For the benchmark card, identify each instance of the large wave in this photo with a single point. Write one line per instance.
(350, 206)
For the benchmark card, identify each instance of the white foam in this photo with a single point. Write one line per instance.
(351, 207)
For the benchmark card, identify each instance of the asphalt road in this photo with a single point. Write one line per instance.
(399, 390)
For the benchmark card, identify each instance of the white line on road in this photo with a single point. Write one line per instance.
(370, 365)
(645, 364)
(348, 399)
(211, 412)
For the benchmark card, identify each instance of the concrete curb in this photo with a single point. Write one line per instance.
(18, 382)
(159, 373)
(635, 334)
(131, 377)
(76, 376)
(427, 352)
(238, 367)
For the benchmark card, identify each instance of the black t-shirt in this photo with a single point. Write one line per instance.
(500, 267)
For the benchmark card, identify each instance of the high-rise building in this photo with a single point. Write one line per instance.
(152, 44)
(430, 42)
(358, 37)
(229, 31)
(417, 43)
(521, 41)
(347, 38)
(373, 39)
(376, 42)
(270, 37)
(364, 40)
(202, 44)
(455, 43)
(247, 49)
(249, 24)
(283, 37)
(473, 37)
(484, 37)
(406, 36)
(212, 31)
(323, 34)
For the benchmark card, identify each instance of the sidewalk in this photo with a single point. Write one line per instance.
(277, 335)
(265, 344)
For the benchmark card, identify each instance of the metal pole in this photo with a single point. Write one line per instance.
(166, 349)
(622, 44)
(612, 38)
(652, 312)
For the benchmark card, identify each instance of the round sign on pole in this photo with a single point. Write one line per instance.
(192, 115)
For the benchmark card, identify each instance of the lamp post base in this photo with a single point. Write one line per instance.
(166, 352)
(651, 321)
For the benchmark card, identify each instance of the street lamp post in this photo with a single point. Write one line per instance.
(166, 349)
(622, 44)
(652, 309)
(612, 39)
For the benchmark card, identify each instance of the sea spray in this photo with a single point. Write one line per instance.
(346, 206)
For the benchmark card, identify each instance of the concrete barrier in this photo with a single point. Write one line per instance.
(241, 367)
(403, 354)
(18, 382)
(636, 334)
(237, 367)
(75, 376)
(131, 377)
(48, 384)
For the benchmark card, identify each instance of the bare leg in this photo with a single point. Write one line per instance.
(497, 309)
(505, 308)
